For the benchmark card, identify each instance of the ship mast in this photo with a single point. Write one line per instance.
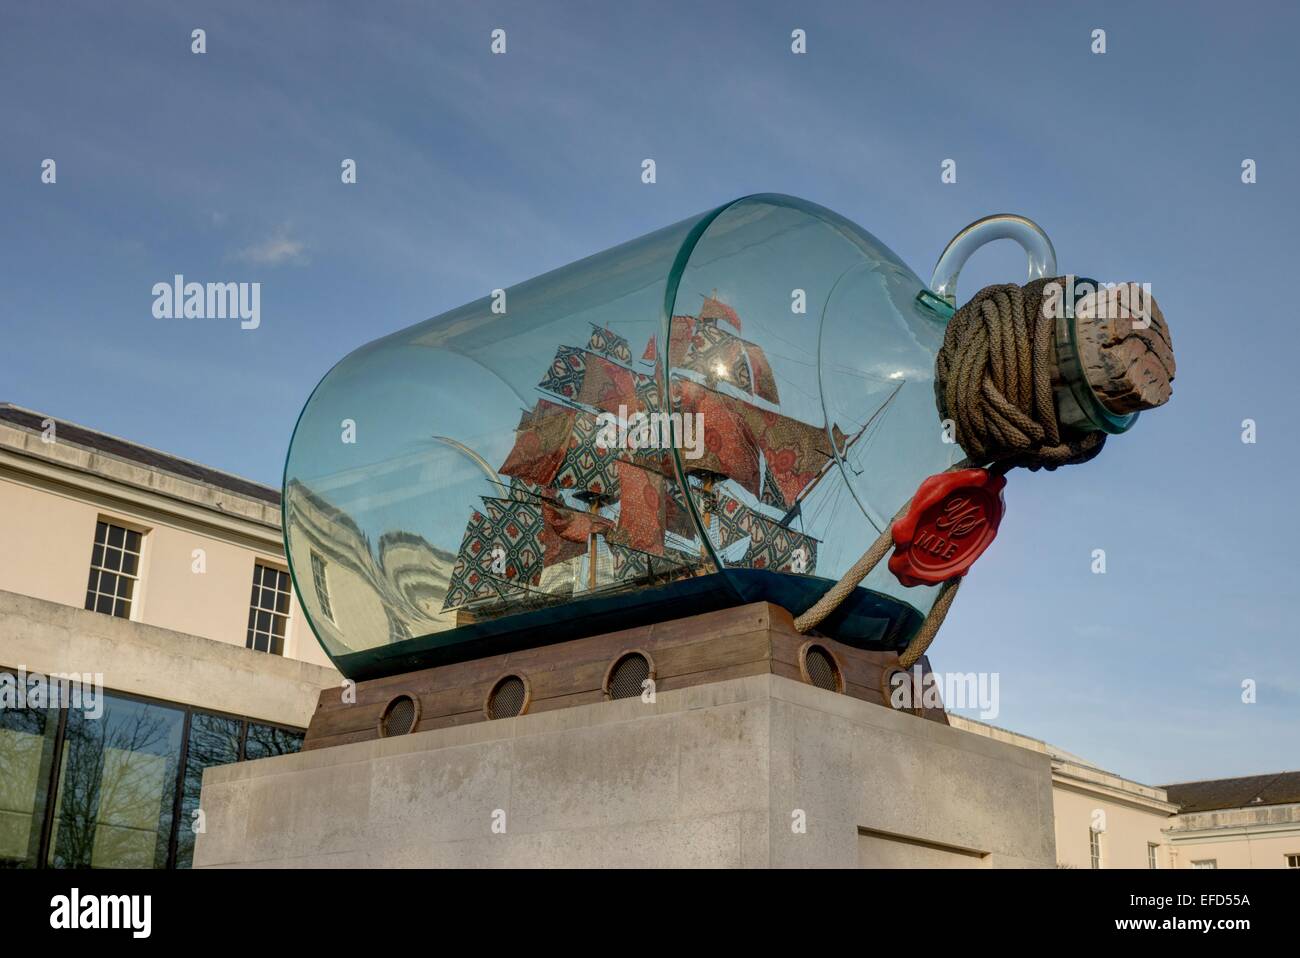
(707, 480)
(592, 507)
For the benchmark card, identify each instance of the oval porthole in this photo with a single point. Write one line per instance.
(507, 698)
(400, 716)
(821, 669)
(626, 680)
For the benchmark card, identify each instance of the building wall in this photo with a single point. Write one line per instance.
(1260, 837)
(1129, 815)
(1133, 816)
(97, 785)
(117, 784)
(52, 638)
(51, 497)
(1126, 830)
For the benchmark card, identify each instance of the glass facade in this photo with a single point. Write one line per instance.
(27, 744)
(118, 789)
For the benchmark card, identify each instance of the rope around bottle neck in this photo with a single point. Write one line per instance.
(993, 381)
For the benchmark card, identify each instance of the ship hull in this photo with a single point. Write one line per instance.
(865, 620)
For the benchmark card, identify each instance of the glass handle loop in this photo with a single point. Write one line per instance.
(1038, 248)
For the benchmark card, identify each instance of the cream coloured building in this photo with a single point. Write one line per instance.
(159, 587)
(165, 580)
(1251, 822)
(1105, 821)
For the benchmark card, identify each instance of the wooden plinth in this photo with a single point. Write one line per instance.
(732, 643)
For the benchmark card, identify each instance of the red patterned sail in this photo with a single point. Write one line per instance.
(794, 452)
(560, 461)
(541, 439)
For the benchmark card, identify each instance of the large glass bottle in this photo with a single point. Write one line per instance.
(726, 410)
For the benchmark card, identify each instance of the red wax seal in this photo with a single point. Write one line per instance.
(953, 518)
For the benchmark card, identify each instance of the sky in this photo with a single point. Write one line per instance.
(477, 171)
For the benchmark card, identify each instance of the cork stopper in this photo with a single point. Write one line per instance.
(1114, 354)
(1124, 348)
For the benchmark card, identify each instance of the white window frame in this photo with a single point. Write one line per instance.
(255, 608)
(136, 602)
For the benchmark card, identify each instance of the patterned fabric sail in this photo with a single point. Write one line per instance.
(500, 553)
(568, 531)
(584, 377)
(719, 355)
(587, 468)
(771, 545)
(729, 446)
(643, 509)
(541, 440)
(794, 452)
(609, 343)
(715, 309)
(573, 497)
(772, 494)
(630, 565)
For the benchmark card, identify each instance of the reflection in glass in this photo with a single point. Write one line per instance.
(267, 740)
(27, 737)
(213, 740)
(117, 785)
(777, 358)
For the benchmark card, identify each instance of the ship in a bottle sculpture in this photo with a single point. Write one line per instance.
(724, 411)
(593, 497)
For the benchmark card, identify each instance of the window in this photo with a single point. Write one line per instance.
(117, 786)
(1151, 855)
(213, 740)
(114, 569)
(322, 586)
(1094, 847)
(217, 740)
(263, 741)
(269, 612)
(28, 736)
(1206, 863)
(1293, 861)
(90, 790)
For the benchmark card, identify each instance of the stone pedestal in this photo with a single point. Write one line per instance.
(756, 771)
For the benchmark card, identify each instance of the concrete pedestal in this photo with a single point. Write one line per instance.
(758, 771)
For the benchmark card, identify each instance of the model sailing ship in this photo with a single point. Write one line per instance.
(581, 513)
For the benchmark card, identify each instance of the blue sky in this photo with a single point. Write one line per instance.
(477, 171)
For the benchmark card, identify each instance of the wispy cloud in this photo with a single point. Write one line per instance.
(277, 250)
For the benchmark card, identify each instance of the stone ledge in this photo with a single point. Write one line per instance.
(141, 659)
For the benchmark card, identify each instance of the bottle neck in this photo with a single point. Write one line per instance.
(1077, 404)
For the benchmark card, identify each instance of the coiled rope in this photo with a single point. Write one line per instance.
(993, 381)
